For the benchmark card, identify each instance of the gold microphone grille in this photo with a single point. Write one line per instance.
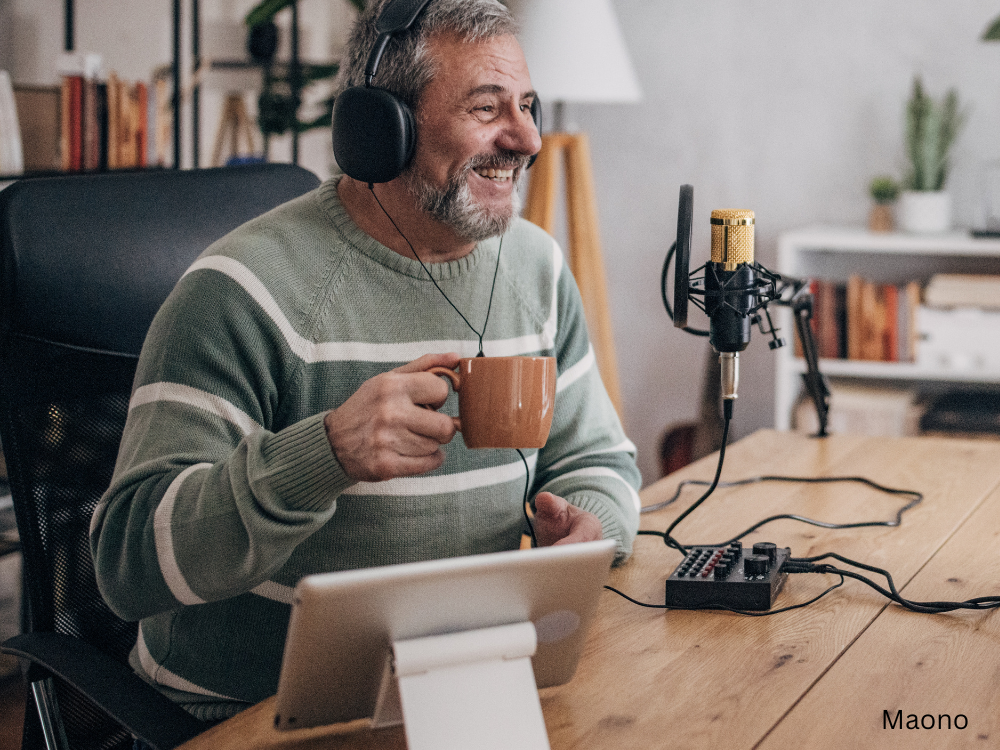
(732, 236)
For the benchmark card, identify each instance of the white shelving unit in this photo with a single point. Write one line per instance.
(833, 254)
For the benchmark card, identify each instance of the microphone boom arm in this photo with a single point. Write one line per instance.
(795, 294)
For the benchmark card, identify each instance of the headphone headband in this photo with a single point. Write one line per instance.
(396, 17)
(374, 131)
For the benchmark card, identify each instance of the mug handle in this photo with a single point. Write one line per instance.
(456, 383)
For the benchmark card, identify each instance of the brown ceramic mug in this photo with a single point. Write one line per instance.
(503, 402)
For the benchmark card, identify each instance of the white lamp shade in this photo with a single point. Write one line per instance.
(575, 51)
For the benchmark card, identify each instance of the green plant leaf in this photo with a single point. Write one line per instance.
(278, 103)
(265, 11)
(992, 34)
(931, 130)
(883, 189)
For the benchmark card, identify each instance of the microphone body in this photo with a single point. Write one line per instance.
(730, 291)
(728, 306)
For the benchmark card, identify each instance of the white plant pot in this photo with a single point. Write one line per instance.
(924, 211)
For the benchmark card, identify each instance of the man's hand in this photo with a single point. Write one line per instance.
(558, 522)
(382, 431)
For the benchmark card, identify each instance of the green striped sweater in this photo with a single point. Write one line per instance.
(226, 491)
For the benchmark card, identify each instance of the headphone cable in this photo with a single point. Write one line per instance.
(496, 270)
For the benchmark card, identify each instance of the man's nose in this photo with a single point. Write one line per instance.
(521, 136)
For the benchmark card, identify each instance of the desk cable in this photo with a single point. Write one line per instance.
(805, 564)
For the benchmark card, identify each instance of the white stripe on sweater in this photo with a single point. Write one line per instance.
(445, 483)
(413, 486)
(199, 399)
(276, 592)
(598, 471)
(163, 536)
(361, 351)
(163, 676)
(577, 371)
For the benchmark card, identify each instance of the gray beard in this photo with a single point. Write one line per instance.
(454, 206)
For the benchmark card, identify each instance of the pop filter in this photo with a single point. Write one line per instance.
(682, 262)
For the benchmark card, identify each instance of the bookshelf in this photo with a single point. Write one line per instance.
(834, 254)
(184, 74)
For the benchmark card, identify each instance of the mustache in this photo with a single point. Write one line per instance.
(500, 160)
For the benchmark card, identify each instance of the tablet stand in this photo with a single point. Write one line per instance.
(472, 689)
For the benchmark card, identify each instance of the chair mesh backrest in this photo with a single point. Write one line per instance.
(64, 428)
(76, 303)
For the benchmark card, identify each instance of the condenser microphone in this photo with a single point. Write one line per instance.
(731, 293)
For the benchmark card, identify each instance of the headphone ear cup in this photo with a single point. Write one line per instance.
(374, 134)
(536, 115)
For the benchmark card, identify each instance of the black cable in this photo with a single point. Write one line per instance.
(524, 505)
(669, 540)
(807, 480)
(749, 613)
(805, 565)
(917, 497)
(496, 270)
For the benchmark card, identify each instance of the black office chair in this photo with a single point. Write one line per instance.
(86, 263)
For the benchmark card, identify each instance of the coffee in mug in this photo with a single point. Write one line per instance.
(504, 402)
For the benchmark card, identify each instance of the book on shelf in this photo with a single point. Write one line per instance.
(103, 123)
(38, 116)
(963, 290)
(865, 320)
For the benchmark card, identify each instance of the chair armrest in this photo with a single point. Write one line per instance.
(111, 685)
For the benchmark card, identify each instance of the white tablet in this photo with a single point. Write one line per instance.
(343, 624)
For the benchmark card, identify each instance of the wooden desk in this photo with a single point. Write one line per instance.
(818, 677)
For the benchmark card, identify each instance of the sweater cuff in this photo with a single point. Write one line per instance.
(309, 477)
(611, 524)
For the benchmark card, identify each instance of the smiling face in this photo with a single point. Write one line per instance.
(475, 135)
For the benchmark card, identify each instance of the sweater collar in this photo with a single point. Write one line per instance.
(381, 254)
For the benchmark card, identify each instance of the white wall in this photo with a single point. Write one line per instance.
(785, 107)
(782, 106)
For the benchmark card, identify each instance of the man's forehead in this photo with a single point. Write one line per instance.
(490, 66)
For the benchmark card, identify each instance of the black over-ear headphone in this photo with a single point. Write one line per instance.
(374, 132)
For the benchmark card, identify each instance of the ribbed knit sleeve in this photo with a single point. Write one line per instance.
(588, 460)
(214, 486)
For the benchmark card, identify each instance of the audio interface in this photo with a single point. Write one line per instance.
(728, 576)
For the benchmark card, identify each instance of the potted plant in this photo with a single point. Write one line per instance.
(884, 190)
(931, 129)
(281, 94)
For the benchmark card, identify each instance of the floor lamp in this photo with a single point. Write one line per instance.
(584, 246)
(576, 53)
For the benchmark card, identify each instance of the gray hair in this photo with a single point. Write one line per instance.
(406, 67)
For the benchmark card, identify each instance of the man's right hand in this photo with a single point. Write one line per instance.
(382, 431)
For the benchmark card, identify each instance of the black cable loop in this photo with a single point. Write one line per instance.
(496, 270)
(524, 504)
(669, 540)
(917, 497)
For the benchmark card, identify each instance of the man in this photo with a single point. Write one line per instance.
(276, 427)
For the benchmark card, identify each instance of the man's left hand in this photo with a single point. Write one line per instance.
(558, 522)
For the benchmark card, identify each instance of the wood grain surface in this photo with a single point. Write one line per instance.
(813, 677)
(939, 674)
